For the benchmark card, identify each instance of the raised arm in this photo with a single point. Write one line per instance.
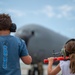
(50, 70)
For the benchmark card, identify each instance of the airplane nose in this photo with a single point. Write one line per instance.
(25, 35)
(32, 32)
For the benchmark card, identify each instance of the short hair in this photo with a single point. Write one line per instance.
(5, 22)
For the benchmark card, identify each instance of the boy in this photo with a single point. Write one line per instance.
(11, 48)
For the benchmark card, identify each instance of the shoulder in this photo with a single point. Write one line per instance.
(18, 39)
(64, 63)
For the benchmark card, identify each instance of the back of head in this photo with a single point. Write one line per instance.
(5, 22)
(70, 50)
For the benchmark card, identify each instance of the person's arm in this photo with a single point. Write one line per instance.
(50, 70)
(26, 59)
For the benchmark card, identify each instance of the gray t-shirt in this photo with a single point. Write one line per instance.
(11, 49)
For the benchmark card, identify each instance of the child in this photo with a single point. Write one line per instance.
(11, 48)
(67, 67)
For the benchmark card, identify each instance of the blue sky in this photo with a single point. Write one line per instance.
(58, 15)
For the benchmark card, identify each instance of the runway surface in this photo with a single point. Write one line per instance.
(25, 68)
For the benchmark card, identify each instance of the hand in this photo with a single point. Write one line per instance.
(51, 60)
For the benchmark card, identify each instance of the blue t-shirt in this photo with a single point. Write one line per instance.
(11, 49)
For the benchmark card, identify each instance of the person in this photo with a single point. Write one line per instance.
(67, 67)
(12, 48)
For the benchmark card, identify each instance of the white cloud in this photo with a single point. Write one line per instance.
(16, 12)
(48, 10)
(66, 10)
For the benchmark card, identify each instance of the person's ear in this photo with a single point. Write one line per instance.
(13, 27)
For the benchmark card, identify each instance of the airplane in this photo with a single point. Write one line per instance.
(41, 41)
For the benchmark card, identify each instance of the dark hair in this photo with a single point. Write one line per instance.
(5, 22)
(70, 40)
(70, 47)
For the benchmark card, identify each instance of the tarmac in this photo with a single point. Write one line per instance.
(25, 68)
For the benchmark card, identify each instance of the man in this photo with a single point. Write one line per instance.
(11, 48)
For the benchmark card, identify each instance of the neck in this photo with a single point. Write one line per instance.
(4, 32)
